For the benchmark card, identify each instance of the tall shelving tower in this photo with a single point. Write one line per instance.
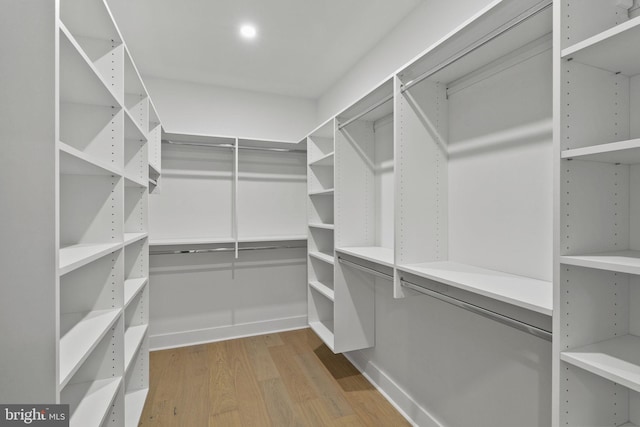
(79, 126)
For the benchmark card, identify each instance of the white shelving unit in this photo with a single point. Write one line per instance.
(597, 94)
(90, 162)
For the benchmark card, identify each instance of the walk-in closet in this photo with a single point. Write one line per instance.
(320, 213)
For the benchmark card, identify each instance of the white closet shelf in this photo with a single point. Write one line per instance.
(326, 160)
(131, 288)
(133, 405)
(75, 162)
(132, 130)
(130, 238)
(78, 255)
(133, 337)
(328, 192)
(323, 289)
(323, 257)
(620, 261)
(323, 226)
(616, 359)
(324, 329)
(614, 49)
(80, 334)
(179, 241)
(279, 238)
(92, 401)
(154, 171)
(376, 254)
(623, 152)
(81, 82)
(135, 181)
(532, 294)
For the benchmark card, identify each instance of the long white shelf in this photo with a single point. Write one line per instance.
(326, 160)
(81, 333)
(617, 360)
(92, 401)
(179, 241)
(620, 261)
(133, 337)
(75, 162)
(623, 152)
(75, 256)
(130, 238)
(322, 256)
(135, 181)
(132, 130)
(131, 288)
(532, 294)
(322, 226)
(328, 192)
(81, 82)
(376, 254)
(133, 406)
(614, 49)
(277, 238)
(323, 289)
(324, 330)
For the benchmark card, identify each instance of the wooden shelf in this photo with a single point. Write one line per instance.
(323, 257)
(323, 289)
(130, 238)
(322, 226)
(328, 192)
(133, 405)
(617, 360)
(133, 337)
(324, 329)
(326, 160)
(376, 254)
(623, 152)
(614, 49)
(92, 401)
(80, 334)
(620, 261)
(131, 288)
(531, 294)
(75, 162)
(75, 256)
(80, 81)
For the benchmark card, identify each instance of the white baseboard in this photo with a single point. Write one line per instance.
(404, 403)
(203, 336)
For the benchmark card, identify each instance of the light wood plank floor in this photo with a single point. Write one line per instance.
(284, 379)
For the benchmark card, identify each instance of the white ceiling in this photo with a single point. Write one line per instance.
(302, 48)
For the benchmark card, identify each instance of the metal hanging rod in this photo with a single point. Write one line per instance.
(367, 111)
(490, 37)
(232, 147)
(365, 269)
(514, 323)
(210, 250)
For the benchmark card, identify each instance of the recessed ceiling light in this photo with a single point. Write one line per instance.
(248, 31)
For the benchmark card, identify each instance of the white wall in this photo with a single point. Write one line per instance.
(198, 108)
(426, 25)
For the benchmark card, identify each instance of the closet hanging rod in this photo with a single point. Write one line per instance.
(517, 324)
(204, 251)
(232, 147)
(365, 269)
(491, 36)
(367, 111)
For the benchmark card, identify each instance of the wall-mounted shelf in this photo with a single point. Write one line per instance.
(531, 294)
(620, 261)
(375, 254)
(134, 404)
(133, 337)
(76, 256)
(328, 192)
(91, 401)
(622, 152)
(323, 289)
(610, 50)
(132, 288)
(323, 226)
(324, 329)
(325, 160)
(323, 257)
(75, 162)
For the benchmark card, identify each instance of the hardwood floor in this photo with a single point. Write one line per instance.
(285, 379)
